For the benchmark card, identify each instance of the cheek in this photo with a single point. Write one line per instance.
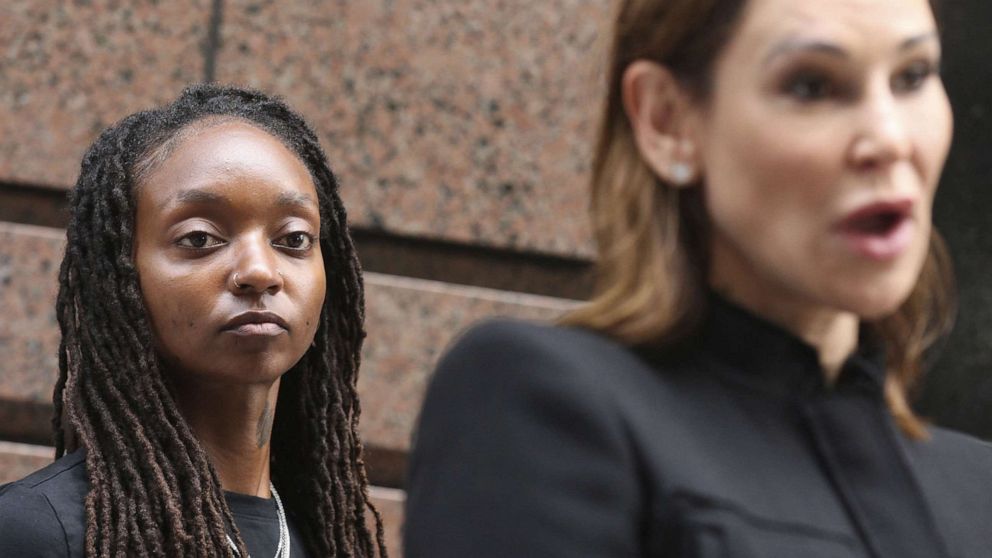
(176, 313)
(763, 177)
(313, 295)
(932, 132)
(154, 292)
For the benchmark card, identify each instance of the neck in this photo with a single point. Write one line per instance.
(234, 425)
(833, 333)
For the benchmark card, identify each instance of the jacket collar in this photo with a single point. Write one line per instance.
(764, 355)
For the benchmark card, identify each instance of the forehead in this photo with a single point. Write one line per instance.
(225, 154)
(860, 22)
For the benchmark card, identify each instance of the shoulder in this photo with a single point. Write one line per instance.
(511, 364)
(956, 467)
(512, 408)
(70, 469)
(516, 376)
(38, 512)
(532, 353)
(522, 382)
(960, 452)
(955, 473)
(527, 335)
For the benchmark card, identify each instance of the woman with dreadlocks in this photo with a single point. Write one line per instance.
(211, 309)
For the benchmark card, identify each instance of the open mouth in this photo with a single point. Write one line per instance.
(878, 224)
(879, 231)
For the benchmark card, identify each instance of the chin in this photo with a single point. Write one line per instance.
(262, 370)
(873, 292)
(259, 368)
(874, 300)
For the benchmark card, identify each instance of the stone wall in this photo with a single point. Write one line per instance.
(461, 132)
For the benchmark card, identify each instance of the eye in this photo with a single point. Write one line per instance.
(807, 87)
(199, 240)
(299, 241)
(914, 76)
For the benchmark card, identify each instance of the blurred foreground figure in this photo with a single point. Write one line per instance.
(769, 280)
(211, 309)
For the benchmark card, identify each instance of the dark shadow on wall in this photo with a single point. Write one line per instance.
(958, 391)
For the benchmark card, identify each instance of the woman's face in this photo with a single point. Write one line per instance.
(820, 148)
(227, 254)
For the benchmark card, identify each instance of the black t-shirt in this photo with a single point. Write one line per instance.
(42, 515)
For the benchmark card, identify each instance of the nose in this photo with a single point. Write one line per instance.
(255, 270)
(882, 134)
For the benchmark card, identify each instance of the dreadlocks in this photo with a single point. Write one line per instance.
(152, 488)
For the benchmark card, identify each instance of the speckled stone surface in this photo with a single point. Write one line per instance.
(20, 460)
(69, 69)
(469, 120)
(29, 338)
(389, 503)
(409, 321)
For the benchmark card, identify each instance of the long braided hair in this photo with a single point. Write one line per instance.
(152, 488)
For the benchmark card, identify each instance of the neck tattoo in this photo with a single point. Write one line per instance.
(264, 428)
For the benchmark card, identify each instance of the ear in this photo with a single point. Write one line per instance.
(659, 112)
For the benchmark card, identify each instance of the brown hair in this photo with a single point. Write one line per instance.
(653, 253)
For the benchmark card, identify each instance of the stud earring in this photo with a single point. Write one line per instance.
(680, 173)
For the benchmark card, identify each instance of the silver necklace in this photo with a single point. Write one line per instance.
(282, 551)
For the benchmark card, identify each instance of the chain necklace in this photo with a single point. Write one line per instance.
(282, 551)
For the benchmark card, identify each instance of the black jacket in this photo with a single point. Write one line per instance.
(555, 442)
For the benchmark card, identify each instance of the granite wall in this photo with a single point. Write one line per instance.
(461, 132)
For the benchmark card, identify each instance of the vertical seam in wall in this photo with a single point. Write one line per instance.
(213, 41)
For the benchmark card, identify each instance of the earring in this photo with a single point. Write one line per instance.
(680, 173)
(237, 285)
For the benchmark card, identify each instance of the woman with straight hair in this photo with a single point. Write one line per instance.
(211, 308)
(769, 284)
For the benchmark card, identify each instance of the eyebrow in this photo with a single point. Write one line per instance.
(295, 199)
(197, 196)
(921, 38)
(824, 47)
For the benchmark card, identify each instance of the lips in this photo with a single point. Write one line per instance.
(879, 231)
(256, 323)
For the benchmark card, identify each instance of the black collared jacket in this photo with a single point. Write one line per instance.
(555, 442)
